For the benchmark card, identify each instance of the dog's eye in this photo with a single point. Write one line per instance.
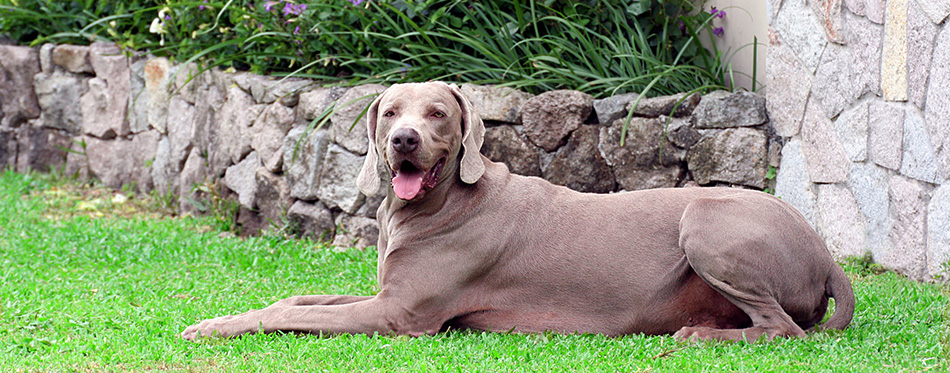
(389, 114)
(438, 114)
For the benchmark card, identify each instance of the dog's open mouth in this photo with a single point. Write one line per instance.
(409, 180)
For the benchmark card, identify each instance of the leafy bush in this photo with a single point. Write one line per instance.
(602, 47)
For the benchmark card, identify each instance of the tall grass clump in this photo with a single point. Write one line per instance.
(602, 47)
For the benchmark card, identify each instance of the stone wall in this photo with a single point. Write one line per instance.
(861, 91)
(164, 129)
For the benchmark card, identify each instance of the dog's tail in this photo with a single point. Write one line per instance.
(838, 287)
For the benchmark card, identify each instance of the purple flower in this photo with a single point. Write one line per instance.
(168, 17)
(270, 5)
(297, 30)
(356, 2)
(717, 13)
(202, 7)
(682, 26)
(718, 31)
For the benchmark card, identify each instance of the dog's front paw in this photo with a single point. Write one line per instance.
(221, 327)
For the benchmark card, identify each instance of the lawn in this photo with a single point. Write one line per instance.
(93, 282)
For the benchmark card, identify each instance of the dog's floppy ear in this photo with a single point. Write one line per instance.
(368, 180)
(473, 134)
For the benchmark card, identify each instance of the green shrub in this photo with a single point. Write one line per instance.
(598, 46)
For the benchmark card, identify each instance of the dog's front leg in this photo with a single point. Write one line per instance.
(369, 316)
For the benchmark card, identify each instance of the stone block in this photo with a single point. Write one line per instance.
(313, 220)
(842, 225)
(194, 173)
(894, 59)
(730, 110)
(287, 91)
(46, 58)
(303, 153)
(269, 131)
(18, 102)
(938, 234)
(109, 160)
(663, 105)
(231, 133)
(337, 187)
(158, 72)
(345, 130)
(875, 10)
(858, 7)
(273, 196)
(839, 84)
(938, 102)
(793, 185)
(936, 10)
(240, 178)
(825, 157)
(908, 255)
(40, 149)
(868, 182)
(801, 29)
(313, 103)
(786, 106)
(646, 160)
(735, 156)
(579, 165)
(496, 104)
(885, 134)
(138, 97)
(72, 58)
(504, 144)
(355, 232)
(920, 37)
(549, 118)
(144, 149)
(918, 160)
(829, 16)
(8, 148)
(852, 129)
(680, 133)
(612, 108)
(865, 40)
(58, 96)
(181, 129)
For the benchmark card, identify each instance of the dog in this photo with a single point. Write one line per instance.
(465, 244)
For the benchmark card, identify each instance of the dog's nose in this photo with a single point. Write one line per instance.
(405, 140)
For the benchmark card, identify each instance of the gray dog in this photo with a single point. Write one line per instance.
(466, 244)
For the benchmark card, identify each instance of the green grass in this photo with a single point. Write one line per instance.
(85, 289)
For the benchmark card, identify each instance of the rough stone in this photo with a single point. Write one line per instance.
(858, 7)
(938, 233)
(165, 172)
(579, 165)
(662, 106)
(18, 103)
(504, 144)
(337, 187)
(612, 108)
(865, 40)
(303, 161)
(138, 97)
(729, 110)
(287, 91)
(842, 225)
(40, 149)
(77, 163)
(938, 102)
(107, 107)
(273, 196)
(46, 58)
(208, 106)
(920, 37)
(497, 104)
(839, 85)
(786, 106)
(825, 157)
(189, 80)
(355, 232)
(792, 183)
(144, 148)
(875, 10)
(315, 102)
(801, 29)
(885, 134)
(852, 129)
(269, 131)
(240, 178)
(909, 253)
(313, 220)
(250, 222)
(72, 58)
(8, 148)
(918, 160)
(193, 174)
(58, 96)
(550, 117)
(829, 15)
(109, 161)
(936, 10)
(181, 129)
(868, 182)
(681, 134)
(646, 160)
(231, 132)
(157, 77)
(371, 206)
(342, 128)
(772, 8)
(894, 60)
(735, 156)
(98, 117)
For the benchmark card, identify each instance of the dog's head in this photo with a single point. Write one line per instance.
(425, 134)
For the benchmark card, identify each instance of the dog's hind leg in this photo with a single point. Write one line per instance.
(750, 249)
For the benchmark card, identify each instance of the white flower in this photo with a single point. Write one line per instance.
(157, 27)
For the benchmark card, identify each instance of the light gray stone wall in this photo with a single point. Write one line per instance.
(860, 90)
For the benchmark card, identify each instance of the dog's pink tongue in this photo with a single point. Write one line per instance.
(407, 184)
